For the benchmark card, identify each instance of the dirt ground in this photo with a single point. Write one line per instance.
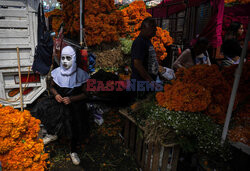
(104, 151)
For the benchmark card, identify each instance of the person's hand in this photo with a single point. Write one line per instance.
(66, 100)
(59, 98)
(162, 69)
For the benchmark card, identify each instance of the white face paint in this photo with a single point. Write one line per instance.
(66, 61)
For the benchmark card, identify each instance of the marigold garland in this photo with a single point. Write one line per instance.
(133, 16)
(19, 147)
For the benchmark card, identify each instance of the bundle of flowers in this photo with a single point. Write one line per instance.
(229, 1)
(101, 20)
(57, 19)
(237, 1)
(203, 77)
(20, 149)
(133, 16)
(180, 96)
(241, 128)
(193, 131)
(229, 73)
(240, 134)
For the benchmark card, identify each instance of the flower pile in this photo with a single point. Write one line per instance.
(229, 72)
(57, 20)
(20, 149)
(237, 1)
(200, 79)
(133, 16)
(184, 97)
(112, 126)
(194, 131)
(102, 20)
(241, 128)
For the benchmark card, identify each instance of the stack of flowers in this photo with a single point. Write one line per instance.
(229, 73)
(184, 97)
(241, 130)
(237, 1)
(101, 20)
(20, 149)
(207, 78)
(56, 19)
(133, 16)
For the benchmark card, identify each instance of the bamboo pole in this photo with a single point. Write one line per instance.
(20, 81)
(235, 87)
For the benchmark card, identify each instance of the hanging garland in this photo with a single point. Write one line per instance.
(133, 16)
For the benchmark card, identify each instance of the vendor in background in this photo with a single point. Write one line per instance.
(144, 63)
(231, 47)
(193, 56)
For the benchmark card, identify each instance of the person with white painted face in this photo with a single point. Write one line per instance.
(64, 114)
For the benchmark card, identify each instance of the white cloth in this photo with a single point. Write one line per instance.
(72, 77)
(168, 74)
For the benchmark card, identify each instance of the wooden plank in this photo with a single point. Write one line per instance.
(2, 94)
(175, 158)
(149, 156)
(132, 137)
(14, 40)
(13, 46)
(156, 157)
(13, 63)
(144, 148)
(126, 133)
(7, 33)
(11, 86)
(165, 158)
(14, 3)
(13, 12)
(138, 151)
(11, 55)
(14, 24)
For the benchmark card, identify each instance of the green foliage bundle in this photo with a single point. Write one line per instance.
(195, 132)
(126, 45)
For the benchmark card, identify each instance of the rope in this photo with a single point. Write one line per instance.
(26, 85)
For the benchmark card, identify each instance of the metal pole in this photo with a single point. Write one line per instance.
(81, 22)
(20, 81)
(235, 87)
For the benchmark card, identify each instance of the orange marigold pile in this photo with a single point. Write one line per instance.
(243, 89)
(211, 79)
(181, 96)
(239, 1)
(20, 149)
(101, 20)
(241, 130)
(133, 16)
(57, 19)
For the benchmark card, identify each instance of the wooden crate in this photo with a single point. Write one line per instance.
(152, 156)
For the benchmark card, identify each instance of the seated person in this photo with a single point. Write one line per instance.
(231, 47)
(194, 56)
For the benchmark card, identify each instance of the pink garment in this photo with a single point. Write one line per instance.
(213, 29)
